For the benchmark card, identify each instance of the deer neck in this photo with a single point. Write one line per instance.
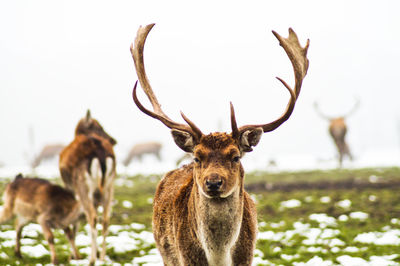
(217, 224)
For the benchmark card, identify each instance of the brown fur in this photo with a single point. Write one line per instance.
(87, 167)
(37, 200)
(183, 215)
(338, 130)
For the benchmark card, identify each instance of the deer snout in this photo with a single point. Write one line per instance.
(214, 182)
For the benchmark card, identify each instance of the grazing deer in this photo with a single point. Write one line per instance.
(87, 167)
(338, 130)
(202, 215)
(37, 200)
(140, 149)
(47, 152)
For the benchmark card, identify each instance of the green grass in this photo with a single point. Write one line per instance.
(371, 191)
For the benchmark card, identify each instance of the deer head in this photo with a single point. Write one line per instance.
(89, 125)
(217, 155)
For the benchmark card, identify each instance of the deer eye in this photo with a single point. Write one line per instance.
(236, 159)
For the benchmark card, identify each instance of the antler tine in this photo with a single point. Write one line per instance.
(316, 107)
(235, 130)
(298, 58)
(137, 55)
(355, 107)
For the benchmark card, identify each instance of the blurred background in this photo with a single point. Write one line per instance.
(60, 58)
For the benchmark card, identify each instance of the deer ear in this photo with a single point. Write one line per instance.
(184, 140)
(250, 138)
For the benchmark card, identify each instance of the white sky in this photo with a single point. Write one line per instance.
(59, 58)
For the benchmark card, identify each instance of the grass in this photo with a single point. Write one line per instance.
(303, 217)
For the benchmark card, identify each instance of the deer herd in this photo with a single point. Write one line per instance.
(202, 214)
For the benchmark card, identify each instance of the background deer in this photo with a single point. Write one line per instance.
(141, 149)
(37, 200)
(87, 167)
(202, 215)
(48, 151)
(338, 130)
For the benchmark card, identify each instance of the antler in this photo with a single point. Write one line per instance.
(316, 107)
(355, 107)
(157, 113)
(298, 57)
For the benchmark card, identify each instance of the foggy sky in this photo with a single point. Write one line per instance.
(60, 58)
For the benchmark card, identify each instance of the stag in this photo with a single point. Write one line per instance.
(338, 131)
(87, 167)
(48, 152)
(202, 215)
(141, 149)
(37, 200)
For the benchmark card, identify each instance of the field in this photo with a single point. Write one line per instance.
(333, 217)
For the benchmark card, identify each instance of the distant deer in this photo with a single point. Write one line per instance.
(87, 167)
(37, 200)
(202, 215)
(48, 151)
(141, 149)
(184, 157)
(338, 130)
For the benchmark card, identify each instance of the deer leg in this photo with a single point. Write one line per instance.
(340, 159)
(71, 233)
(85, 187)
(340, 149)
(90, 213)
(347, 150)
(19, 225)
(48, 235)
(107, 201)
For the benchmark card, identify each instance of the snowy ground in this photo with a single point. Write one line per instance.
(319, 232)
(322, 238)
(284, 162)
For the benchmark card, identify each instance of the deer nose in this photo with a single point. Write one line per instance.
(213, 182)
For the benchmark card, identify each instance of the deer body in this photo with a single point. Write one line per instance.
(202, 215)
(87, 167)
(338, 131)
(198, 229)
(141, 149)
(47, 152)
(37, 200)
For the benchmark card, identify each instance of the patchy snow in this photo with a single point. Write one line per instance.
(362, 216)
(153, 258)
(127, 204)
(293, 203)
(391, 237)
(315, 261)
(347, 260)
(123, 243)
(137, 226)
(351, 249)
(323, 219)
(325, 199)
(36, 251)
(343, 218)
(345, 204)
